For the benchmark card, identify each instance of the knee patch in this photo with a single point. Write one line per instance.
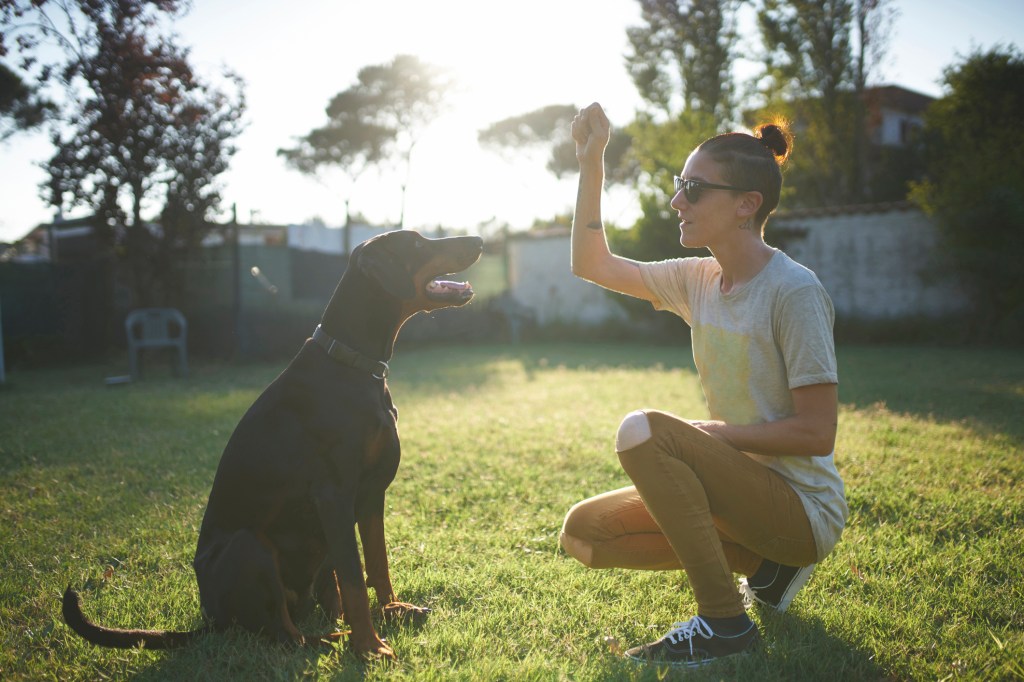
(575, 525)
(579, 550)
(634, 430)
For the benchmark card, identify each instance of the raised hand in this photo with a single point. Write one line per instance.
(591, 131)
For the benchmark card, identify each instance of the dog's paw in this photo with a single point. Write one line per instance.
(374, 649)
(401, 613)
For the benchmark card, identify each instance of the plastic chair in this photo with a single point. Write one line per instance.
(156, 328)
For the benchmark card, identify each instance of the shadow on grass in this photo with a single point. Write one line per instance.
(236, 654)
(984, 388)
(793, 648)
(798, 647)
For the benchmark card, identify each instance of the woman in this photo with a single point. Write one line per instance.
(753, 490)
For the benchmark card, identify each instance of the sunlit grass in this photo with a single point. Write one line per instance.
(104, 488)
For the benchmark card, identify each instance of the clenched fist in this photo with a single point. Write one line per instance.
(591, 131)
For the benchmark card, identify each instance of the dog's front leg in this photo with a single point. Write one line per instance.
(336, 509)
(378, 574)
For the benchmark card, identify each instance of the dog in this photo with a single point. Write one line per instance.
(310, 461)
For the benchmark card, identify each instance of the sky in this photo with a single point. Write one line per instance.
(509, 58)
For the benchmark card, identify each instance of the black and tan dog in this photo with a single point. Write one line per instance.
(311, 460)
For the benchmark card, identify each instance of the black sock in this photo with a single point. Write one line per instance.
(730, 626)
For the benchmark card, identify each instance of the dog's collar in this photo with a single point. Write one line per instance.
(349, 356)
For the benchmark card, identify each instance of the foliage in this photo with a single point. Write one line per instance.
(149, 127)
(29, 24)
(104, 489)
(818, 57)
(376, 121)
(682, 55)
(807, 46)
(21, 106)
(144, 135)
(680, 62)
(548, 128)
(661, 150)
(975, 179)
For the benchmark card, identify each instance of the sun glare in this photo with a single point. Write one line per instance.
(507, 59)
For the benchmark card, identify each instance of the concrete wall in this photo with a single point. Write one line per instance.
(877, 262)
(540, 279)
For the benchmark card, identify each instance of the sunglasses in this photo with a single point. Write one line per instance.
(692, 189)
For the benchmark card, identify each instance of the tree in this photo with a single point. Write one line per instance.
(975, 180)
(206, 125)
(348, 144)
(811, 73)
(29, 23)
(874, 21)
(548, 129)
(682, 56)
(144, 136)
(147, 131)
(379, 119)
(819, 55)
(21, 107)
(681, 63)
(661, 149)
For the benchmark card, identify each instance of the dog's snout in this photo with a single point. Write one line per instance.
(475, 247)
(468, 243)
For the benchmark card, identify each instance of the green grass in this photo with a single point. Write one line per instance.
(104, 488)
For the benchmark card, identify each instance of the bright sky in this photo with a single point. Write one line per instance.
(511, 58)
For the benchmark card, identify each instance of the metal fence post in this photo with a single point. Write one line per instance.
(3, 377)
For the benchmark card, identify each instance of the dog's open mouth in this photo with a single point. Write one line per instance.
(439, 289)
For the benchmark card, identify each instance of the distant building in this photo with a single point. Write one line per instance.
(895, 115)
(890, 154)
(68, 240)
(62, 241)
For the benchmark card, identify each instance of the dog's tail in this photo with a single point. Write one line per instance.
(116, 638)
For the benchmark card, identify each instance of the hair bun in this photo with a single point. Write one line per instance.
(777, 138)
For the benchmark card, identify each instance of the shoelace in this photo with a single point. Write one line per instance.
(687, 630)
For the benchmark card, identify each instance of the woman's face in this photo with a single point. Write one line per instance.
(714, 216)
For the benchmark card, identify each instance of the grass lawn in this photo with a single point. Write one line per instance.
(104, 489)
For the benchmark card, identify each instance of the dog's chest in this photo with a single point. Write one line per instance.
(381, 452)
(382, 445)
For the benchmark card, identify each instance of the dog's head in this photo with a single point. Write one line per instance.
(416, 270)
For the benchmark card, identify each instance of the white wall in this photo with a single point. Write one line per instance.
(880, 264)
(329, 239)
(540, 279)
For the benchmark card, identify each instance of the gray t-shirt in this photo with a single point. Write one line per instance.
(752, 346)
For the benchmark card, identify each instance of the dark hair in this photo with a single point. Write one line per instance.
(754, 161)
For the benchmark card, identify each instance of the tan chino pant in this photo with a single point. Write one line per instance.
(696, 503)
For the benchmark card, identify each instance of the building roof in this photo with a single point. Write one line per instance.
(897, 97)
(849, 209)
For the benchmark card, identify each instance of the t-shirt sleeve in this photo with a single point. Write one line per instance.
(804, 332)
(671, 281)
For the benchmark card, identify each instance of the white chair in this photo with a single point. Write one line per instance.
(156, 328)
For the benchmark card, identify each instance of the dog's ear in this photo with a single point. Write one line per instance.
(388, 271)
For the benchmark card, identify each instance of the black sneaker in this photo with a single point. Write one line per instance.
(774, 585)
(693, 643)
